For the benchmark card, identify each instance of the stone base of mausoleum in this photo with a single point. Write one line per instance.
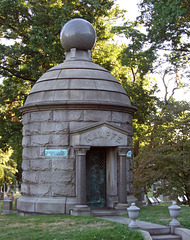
(27, 206)
(45, 205)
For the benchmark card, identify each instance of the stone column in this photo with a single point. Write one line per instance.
(122, 181)
(81, 208)
(129, 168)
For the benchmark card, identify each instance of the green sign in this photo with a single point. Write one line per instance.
(56, 152)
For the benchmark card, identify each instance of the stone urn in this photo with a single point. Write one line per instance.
(174, 210)
(133, 212)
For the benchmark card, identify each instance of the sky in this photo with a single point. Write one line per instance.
(130, 6)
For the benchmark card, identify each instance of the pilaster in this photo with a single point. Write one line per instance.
(81, 208)
(122, 191)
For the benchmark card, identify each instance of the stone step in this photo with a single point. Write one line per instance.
(102, 213)
(166, 237)
(157, 230)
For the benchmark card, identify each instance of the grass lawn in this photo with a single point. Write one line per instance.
(160, 214)
(56, 227)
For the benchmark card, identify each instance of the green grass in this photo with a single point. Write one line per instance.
(59, 227)
(160, 214)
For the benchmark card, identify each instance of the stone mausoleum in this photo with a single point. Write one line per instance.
(77, 135)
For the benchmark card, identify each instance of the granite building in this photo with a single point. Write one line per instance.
(77, 135)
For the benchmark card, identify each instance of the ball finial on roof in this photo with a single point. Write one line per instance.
(78, 33)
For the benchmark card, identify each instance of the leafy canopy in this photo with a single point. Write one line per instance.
(7, 167)
(165, 157)
(32, 30)
(167, 24)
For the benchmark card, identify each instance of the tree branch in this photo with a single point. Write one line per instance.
(17, 74)
(165, 86)
(176, 49)
(14, 29)
(173, 91)
(134, 74)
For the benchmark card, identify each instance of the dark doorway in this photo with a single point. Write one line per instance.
(96, 178)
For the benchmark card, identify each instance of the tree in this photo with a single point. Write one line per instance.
(172, 80)
(167, 23)
(137, 60)
(12, 94)
(34, 26)
(167, 28)
(165, 157)
(7, 167)
(32, 30)
(166, 37)
(137, 55)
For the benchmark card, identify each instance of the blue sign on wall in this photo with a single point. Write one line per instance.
(56, 152)
(129, 153)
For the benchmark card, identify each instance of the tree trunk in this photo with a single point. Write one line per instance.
(188, 198)
(136, 147)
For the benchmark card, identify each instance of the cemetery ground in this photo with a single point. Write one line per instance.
(61, 227)
(68, 227)
(160, 214)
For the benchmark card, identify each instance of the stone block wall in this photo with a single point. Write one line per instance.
(55, 176)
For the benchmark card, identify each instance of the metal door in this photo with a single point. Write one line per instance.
(96, 178)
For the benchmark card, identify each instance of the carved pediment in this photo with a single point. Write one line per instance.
(101, 134)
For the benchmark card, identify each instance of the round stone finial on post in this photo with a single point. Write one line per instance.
(78, 33)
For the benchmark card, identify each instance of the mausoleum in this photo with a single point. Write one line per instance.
(77, 135)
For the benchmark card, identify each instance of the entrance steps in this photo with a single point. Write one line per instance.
(156, 231)
(166, 237)
(107, 212)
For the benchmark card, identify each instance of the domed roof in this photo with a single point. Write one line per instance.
(78, 81)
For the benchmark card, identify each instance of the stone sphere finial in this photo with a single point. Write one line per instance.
(78, 33)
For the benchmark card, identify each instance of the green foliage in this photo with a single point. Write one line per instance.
(32, 30)
(7, 167)
(167, 23)
(160, 128)
(137, 60)
(141, 97)
(165, 158)
(137, 55)
(106, 55)
(12, 94)
(35, 27)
